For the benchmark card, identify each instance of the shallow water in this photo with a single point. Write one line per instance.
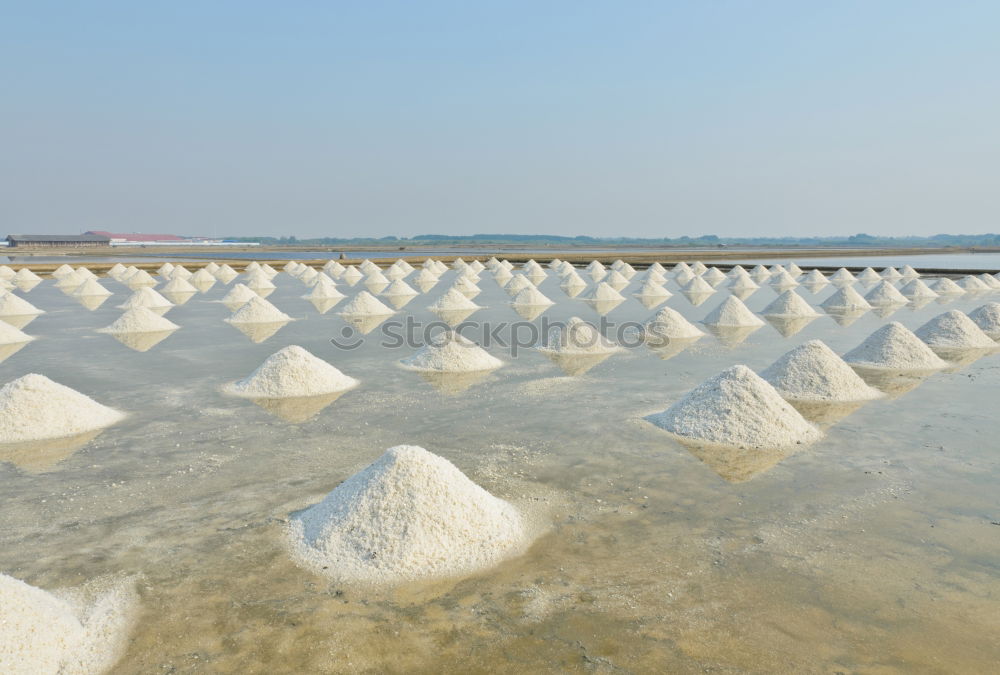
(875, 550)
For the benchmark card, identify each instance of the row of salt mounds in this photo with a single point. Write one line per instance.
(789, 305)
(258, 310)
(987, 318)
(292, 372)
(451, 352)
(34, 408)
(736, 408)
(813, 372)
(76, 632)
(894, 347)
(410, 515)
(139, 320)
(577, 337)
(954, 330)
(732, 313)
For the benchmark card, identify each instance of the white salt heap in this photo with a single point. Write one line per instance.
(783, 280)
(34, 408)
(9, 335)
(987, 318)
(697, 285)
(615, 280)
(714, 276)
(70, 281)
(532, 297)
(813, 372)
(238, 294)
(602, 293)
(577, 337)
(945, 286)
(452, 300)
(732, 313)
(179, 285)
(737, 408)
(79, 632)
(409, 515)
(258, 310)
(25, 274)
(891, 273)
(139, 320)
(972, 284)
(651, 289)
(954, 330)
(90, 288)
(869, 276)
(885, 294)
(790, 305)
(815, 278)
(846, 299)
(989, 281)
(894, 347)
(916, 289)
(909, 273)
(517, 284)
(365, 304)
(842, 276)
(399, 288)
(292, 372)
(668, 324)
(139, 279)
(147, 297)
(323, 289)
(450, 352)
(12, 305)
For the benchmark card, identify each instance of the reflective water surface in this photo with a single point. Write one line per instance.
(876, 550)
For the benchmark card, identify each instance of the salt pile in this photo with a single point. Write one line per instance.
(869, 276)
(409, 515)
(149, 298)
(697, 285)
(179, 285)
(467, 287)
(846, 299)
(225, 273)
(789, 305)
(399, 288)
(7, 273)
(202, 280)
(743, 282)
(323, 289)
(452, 300)
(972, 284)
(885, 294)
(738, 408)
(9, 335)
(945, 286)
(917, 290)
(954, 330)
(163, 270)
(760, 274)
(90, 288)
(714, 276)
(139, 320)
(532, 297)
(80, 632)
(25, 274)
(376, 282)
(517, 284)
(365, 304)
(668, 324)
(813, 372)
(238, 295)
(258, 310)
(141, 278)
(69, 281)
(815, 278)
(34, 408)
(987, 318)
(783, 280)
(577, 337)
(258, 281)
(11, 305)
(450, 352)
(891, 274)
(732, 313)
(597, 270)
(684, 277)
(292, 372)
(989, 281)
(181, 272)
(842, 276)
(615, 280)
(651, 289)
(909, 273)
(894, 347)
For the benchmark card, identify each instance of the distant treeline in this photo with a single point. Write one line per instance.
(709, 240)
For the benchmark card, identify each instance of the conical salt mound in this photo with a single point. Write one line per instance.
(365, 304)
(323, 289)
(452, 300)
(737, 408)
(225, 273)
(292, 372)
(237, 296)
(34, 408)
(846, 299)
(147, 297)
(815, 278)
(90, 288)
(697, 285)
(954, 330)
(25, 274)
(450, 352)
(813, 372)
(62, 271)
(894, 347)
(916, 289)
(714, 276)
(987, 318)
(989, 281)
(139, 279)
(602, 292)
(789, 305)
(972, 284)
(668, 324)
(517, 283)
(12, 305)
(945, 286)
(869, 276)
(885, 294)
(9, 335)
(399, 288)
(70, 281)
(578, 337)
(179, 285)
(615, 280)
(139, 320)
(891, 273)
(531, 297)
(650, 289)
(732, 313)
(843, 276)
(409, 515)
(783, 280)
(258, 310)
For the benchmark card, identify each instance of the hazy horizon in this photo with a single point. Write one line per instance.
(565, 118)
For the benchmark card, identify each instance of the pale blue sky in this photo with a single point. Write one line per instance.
(599, 118)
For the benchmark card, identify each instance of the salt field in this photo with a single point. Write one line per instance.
(309, 483)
